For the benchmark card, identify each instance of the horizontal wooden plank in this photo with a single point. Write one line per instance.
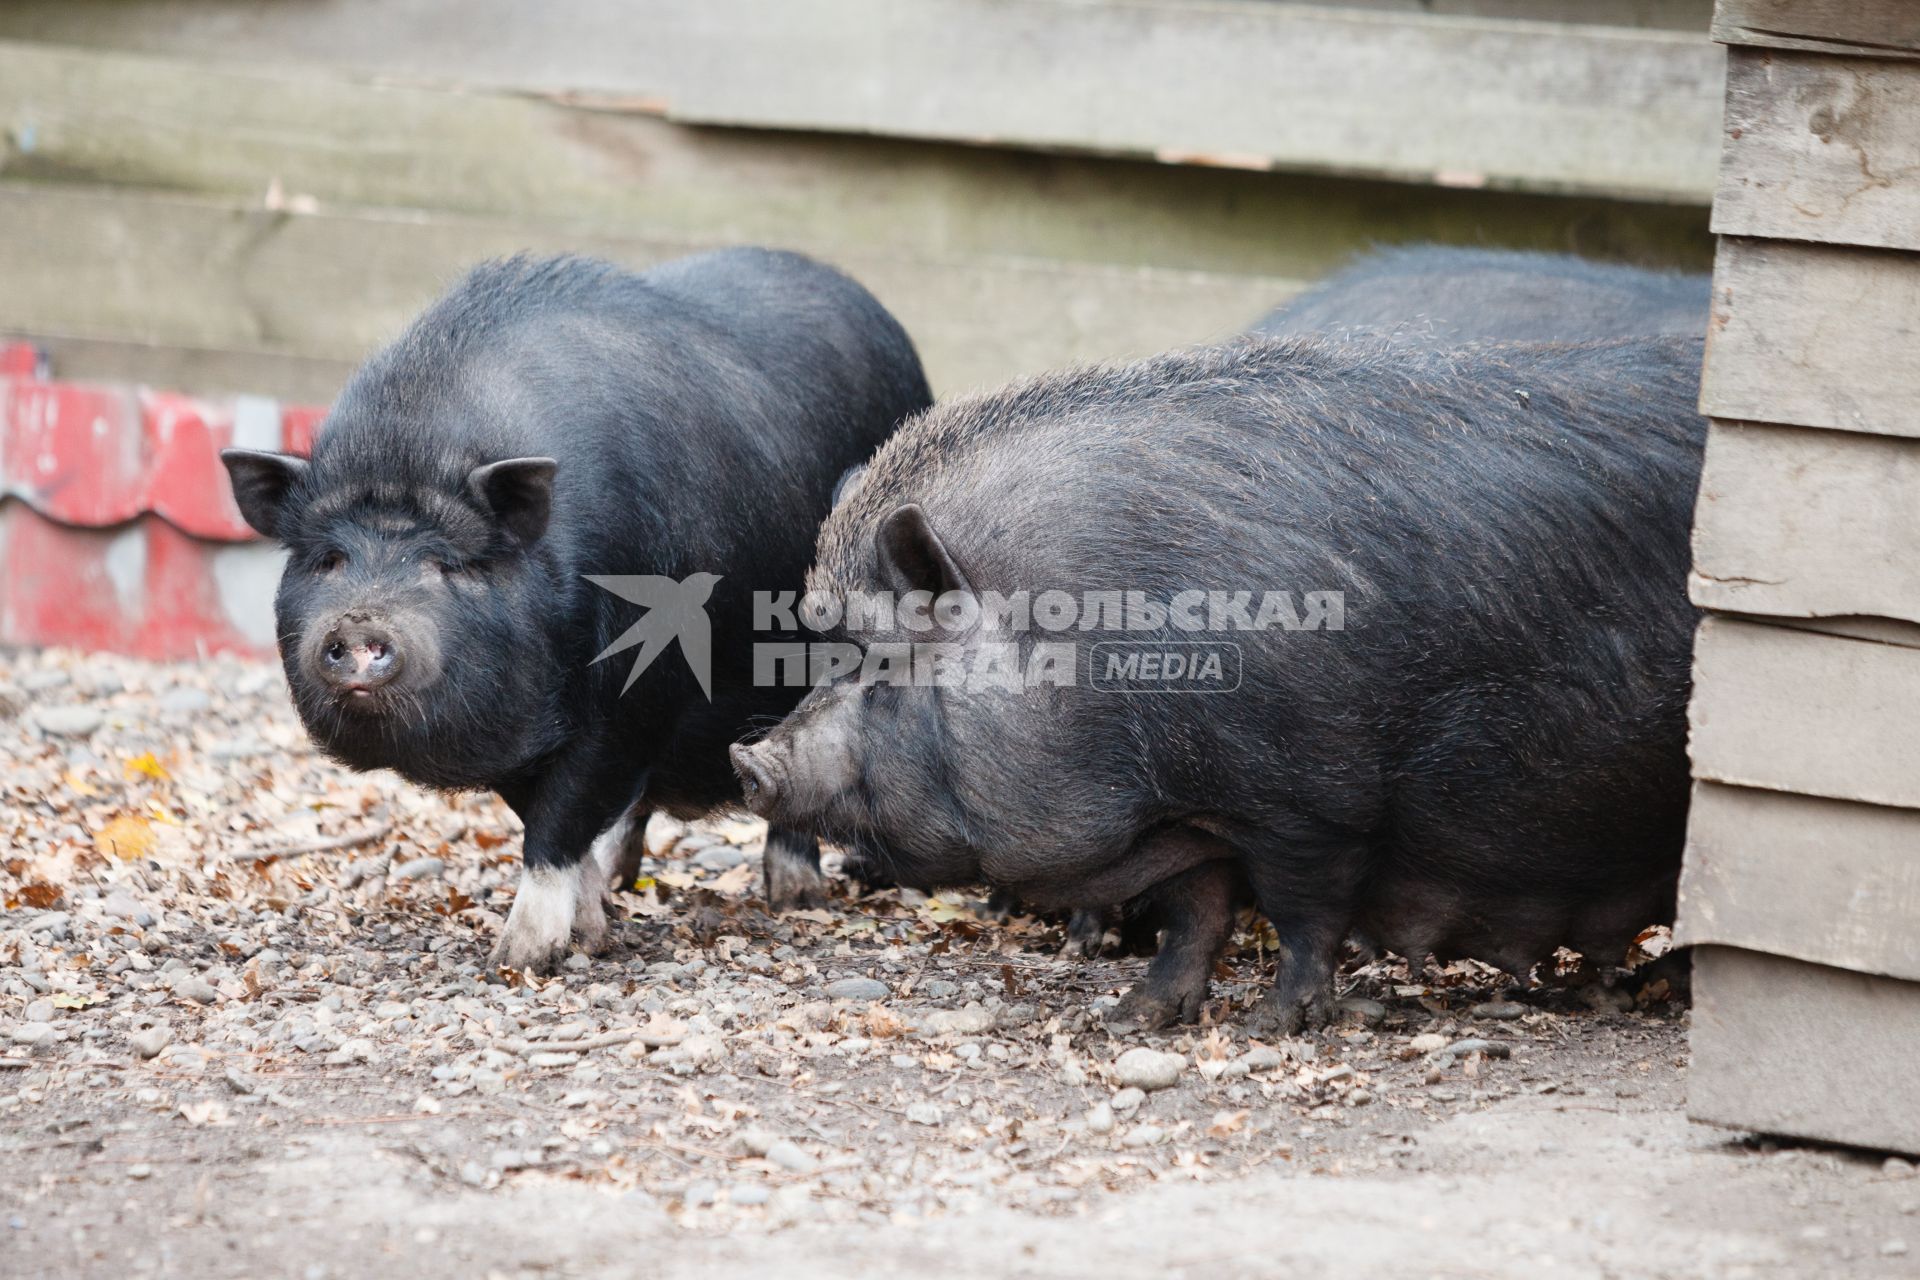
(1821, 148)
(1881, 28)
(1556, 108)
(1794, 710)
(1781, 1046)
(181, 272)
(319, 140)
(1819, 880)
(1815, 336)
(1610, 110)
(292, 379)
(1807, 524)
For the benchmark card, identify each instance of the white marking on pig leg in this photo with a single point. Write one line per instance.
(609, 853)
(542, 919)
(590, 906)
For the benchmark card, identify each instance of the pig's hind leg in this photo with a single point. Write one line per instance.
(1194, 912)
(791, 867)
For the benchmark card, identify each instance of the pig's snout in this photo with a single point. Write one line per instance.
(754, 764)
(359, 656)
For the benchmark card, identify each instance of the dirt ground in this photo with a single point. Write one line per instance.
(247, 1029)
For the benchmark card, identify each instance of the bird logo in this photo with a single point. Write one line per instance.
(674, 610)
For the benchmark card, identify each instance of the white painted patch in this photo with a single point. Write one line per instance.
(256, 423)
(246, 577)
(126, 563)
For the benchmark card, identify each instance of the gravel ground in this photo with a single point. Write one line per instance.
(246, 1028)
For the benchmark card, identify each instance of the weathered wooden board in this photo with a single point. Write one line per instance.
(1821, 148)
(1781, 1046)
(1257, 84)
(81, 116)
(195, 273)
(1815, 335)
(1562, 108)
(1808, 524)
(202, 370)
(1819, 880)
(1795, 710)
(1881, 28)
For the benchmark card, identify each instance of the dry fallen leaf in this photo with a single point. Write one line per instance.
(209, 1112)
(76, 1000)
(145, 765)
(1226, 1122)
(734, 880)
(128, 837)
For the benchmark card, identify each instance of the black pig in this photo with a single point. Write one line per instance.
(1488, 758)
(547, 422)
(1443, 296)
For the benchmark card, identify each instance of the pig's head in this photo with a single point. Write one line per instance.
(409, 615)
(907, 773)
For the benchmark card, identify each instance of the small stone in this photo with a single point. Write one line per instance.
(552, 1059)
(184, 699)
(750, 1193)
(1894, 1249)
(195, 988)
(757, 1142)
(1143, 1135)
(419, 869)
(938, 989)
(1100, 1119)
(858, 989)
(150, 1042)
(1368, 1013)
(123, 906)
(970, 1021)
(719, 857)
(32, 1033)
(355, 1050)
(1499, 1010)
(1148, 1068)
(927, 1113)
(39, 1011)
(699, 1194)
(1262, 1058)
(1896, 1168)
(790, 1157)
(1429, 1042)
(69, 721)
(1128, 1099)
(140, 1172)
(1473, 1044)
(1359, 1098)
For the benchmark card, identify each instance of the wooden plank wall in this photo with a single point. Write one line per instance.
(229, 195)
(1802, 879)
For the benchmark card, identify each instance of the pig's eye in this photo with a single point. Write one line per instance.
(332, 561)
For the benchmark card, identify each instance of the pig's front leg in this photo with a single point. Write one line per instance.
(1307, 895)
(791, 866)
(1194, 912)
(574, 838)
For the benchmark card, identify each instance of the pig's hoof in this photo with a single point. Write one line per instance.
(1146, 1009)
(1280, 1016)
(547, 909)
(794, 886)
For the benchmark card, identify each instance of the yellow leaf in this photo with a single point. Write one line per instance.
(127, 838)
(145, 765)
(643, 884)
(79, 785)
(75, 1000)
(941, 911)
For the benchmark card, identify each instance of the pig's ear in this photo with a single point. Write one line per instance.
(912, 557)
(261, 482)
(519, 492)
